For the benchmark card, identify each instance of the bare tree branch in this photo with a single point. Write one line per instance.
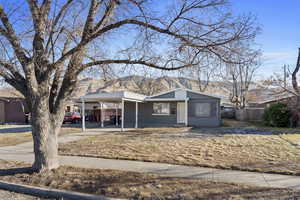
(11, 36)
(294, 75)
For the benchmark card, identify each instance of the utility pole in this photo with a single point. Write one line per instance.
(284, 76)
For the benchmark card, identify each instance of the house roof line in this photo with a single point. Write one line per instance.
(186, 89)
(127, 95)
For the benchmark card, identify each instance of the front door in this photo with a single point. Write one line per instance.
(180, 112)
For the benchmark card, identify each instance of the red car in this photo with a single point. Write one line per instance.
(72, 117)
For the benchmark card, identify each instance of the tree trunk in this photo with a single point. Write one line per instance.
(45, 129)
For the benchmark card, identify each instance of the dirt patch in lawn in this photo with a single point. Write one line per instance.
(263, 153)
(11, 139)
(122, 184)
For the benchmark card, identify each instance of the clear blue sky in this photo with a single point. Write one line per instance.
(280, 37)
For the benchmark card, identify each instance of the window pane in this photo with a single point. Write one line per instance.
(203, 110)
(161, 108)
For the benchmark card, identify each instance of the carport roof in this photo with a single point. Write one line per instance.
(116, 96)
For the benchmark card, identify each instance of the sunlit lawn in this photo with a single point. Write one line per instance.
(265, 153)
(11, 139)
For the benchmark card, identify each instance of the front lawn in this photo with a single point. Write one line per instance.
(14, 138)
(123, 184)
(253, 152)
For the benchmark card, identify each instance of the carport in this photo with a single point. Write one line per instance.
(117, 98)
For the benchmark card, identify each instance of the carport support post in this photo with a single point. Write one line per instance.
(136, 114)
(102, 115)
(186, 112)
(122, 117)
(83, 114)
(117, 123)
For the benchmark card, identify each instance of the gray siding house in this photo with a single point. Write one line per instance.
(178, 107)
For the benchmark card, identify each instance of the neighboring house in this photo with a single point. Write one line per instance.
(179, 107)
(256, 109)
(12, 110)
(283, 98)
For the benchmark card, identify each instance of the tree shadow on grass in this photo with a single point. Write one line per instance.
(15, 171)
(15, 130)
(221, 131)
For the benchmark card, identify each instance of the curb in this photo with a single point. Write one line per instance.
(49, 193)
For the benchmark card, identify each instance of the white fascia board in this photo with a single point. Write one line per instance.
(167, 99)
(112, 96)
(132, 95)
(133, 100)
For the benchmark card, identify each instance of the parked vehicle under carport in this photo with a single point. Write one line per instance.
(72, 117)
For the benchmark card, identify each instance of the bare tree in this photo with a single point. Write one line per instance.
(147, 83)
(296, 109)
(204, 72)
(240, 76)
(48, 44)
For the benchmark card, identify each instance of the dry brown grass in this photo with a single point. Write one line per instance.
(235, 123)
(293, 138)
(11, 139)
(264, 153)
(122, 184)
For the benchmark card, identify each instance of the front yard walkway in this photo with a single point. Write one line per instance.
(23, 152)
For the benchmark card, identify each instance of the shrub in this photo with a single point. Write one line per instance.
(277, 115)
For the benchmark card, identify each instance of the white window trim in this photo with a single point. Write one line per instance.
(169, 111)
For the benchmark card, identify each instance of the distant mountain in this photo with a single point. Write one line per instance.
(147, 86)
(150, 86)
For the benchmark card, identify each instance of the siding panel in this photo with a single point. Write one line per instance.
(148, 120)
(212, 121)
(129, 114)
(167, 95)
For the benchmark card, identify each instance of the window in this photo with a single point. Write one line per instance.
(68, 109)
(161, 108)
(202, 110)
(173, 108)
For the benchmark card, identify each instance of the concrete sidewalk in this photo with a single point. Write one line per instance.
(23, 152)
